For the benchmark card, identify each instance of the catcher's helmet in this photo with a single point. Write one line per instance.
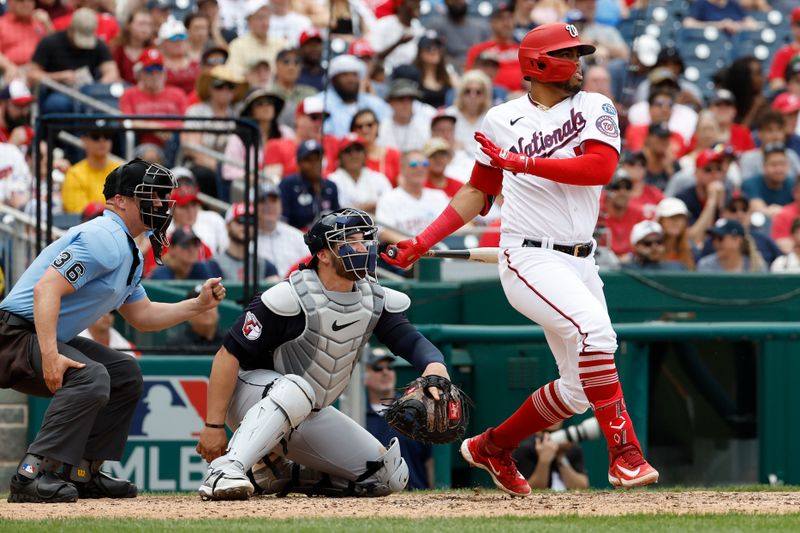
(533, 52)
(146, 182)
(330, 232)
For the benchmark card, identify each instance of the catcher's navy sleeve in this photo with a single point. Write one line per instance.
(396, 332)
(258, 331)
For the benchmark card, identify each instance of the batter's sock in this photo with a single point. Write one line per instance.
(541, 410)
(600, 382)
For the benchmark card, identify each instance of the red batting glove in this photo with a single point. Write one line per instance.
(502, 158)
(404, 253)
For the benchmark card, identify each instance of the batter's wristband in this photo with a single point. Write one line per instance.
(444, 225)
(215, 426)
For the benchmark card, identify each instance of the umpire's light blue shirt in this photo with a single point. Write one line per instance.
(96, 259)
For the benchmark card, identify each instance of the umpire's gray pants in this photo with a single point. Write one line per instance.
(90, 415)
(327, 441)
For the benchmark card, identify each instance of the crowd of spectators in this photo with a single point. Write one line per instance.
(374, 105)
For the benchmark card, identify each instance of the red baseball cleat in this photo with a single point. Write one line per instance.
(480, 452)
(629, 469)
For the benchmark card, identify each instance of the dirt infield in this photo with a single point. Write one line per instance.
(413, 505)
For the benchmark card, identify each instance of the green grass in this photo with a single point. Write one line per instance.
(635, 523)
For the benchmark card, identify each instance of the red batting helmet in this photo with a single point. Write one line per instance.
(533, 52)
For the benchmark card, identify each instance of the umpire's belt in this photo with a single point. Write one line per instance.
(578, 250)
(15, 320)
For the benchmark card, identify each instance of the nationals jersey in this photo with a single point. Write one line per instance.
(539, 208)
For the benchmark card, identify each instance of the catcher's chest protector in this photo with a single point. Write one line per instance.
(337, 325)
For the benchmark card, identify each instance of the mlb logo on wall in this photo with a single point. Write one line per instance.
(171, 408)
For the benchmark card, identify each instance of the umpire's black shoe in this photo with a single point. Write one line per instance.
(101, 485)
(47, 487)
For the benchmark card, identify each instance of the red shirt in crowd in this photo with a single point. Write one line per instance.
(18, 38)
(491, 239)
(184, 79)
(741, 139)
(107, 26)
(781, 60)
(636, 134)
(388, 165)
(648, 200)
(509, 74)
(782, 222)
(451, 186)
(170, 101)
(124, 64)
(620, 227)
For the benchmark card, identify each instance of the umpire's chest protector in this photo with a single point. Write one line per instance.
(337, 325)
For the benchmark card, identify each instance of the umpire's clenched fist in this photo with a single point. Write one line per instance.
(212, 293)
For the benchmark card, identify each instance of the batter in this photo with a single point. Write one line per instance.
(549, 153)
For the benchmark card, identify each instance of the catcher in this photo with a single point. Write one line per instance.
(290, 355)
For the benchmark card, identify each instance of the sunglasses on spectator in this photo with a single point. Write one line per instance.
(99, 136)
(414, 163)
(244, 219)
(651, 242)
(624, 185)
(214, 61)
(737, 209)
(663, 103)
(154, 68)
(179, 37)
(353, 148)
(712, 168)
(289, 61)
(317, 117)
(365, 125)
(222, 84)
(381, 368)
(473, 92)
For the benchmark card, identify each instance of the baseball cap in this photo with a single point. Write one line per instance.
(786, 103)
(403, 88)
(659, 129)
(443, 114)
(661, 75)
(376, 355)
(268, 189)
(183, 236)
(172, 30)
(349, 140)
(434, 145)
(722, 96)
(669, 54)
(669, 207)
(738, 199)
(151, 57)
(184, 176)
(645, 228)
(92, 210)
(502, 7)
(488, 56)
(429, 39)
(163, 5)
(236, 211)
(307, 148)
(727, 226)
(772, 148)
(251, 7)
(631, 158)
(17, 93)
(277, 101)
(361, 49)
(214, 50)
(311, 105)
(619, 176)
(184, 196)
(708, 155)
(795, 16)
(309, 35)
(83, 27)
(346, 63)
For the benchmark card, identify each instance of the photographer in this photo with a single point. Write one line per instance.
(551, 463)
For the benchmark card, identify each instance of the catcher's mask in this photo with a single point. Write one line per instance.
(359, 256)
(151, 185)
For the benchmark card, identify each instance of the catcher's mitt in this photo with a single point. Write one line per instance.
(419, 416)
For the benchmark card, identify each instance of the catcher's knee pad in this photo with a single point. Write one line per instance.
(391, 476)
(287, 403)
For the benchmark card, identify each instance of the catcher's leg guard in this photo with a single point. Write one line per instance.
(288, 402)
(387, 474)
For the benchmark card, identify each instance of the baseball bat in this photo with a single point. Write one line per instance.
(480, 255)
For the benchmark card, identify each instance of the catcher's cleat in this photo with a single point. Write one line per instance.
(46, 487)
(480, 452)
(225, 481)
(629, 469)
(102, 485)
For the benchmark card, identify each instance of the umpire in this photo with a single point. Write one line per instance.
(93, 269)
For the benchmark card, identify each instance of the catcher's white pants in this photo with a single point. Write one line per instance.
(563, 294)
(327, 440)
